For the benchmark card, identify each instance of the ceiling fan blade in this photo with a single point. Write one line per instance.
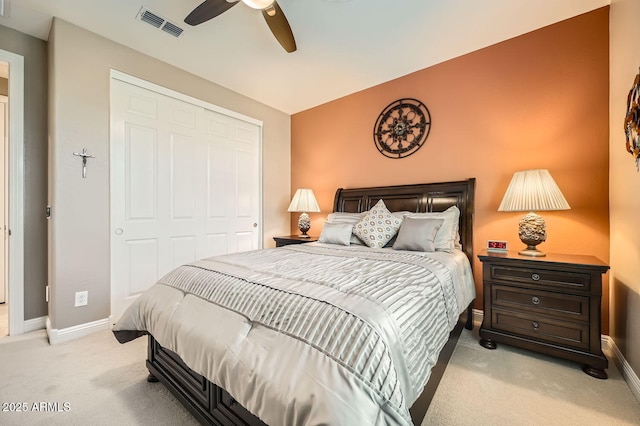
(279, 26)
(207, 10)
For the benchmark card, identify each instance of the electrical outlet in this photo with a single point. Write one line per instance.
(82, 298)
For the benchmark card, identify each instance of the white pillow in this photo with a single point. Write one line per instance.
(457, 243)
(378, 226)
(336, 233)
(446, 236)
(345, 217)
(418, 234)
(401, 214)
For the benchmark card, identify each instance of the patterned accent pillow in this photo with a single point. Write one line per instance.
(378, 226)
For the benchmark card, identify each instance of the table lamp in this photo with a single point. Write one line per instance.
(528, 191)
(304, 201)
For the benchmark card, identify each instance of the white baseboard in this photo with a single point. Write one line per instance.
(629, 375)
(71, 333)
(34, 324)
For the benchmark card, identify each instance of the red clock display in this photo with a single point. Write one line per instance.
(497, 245)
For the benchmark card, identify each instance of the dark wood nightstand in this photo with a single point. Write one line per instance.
(546, 304)
(293, 239)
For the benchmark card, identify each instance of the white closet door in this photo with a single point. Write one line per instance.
(233, 167)
(184, 185)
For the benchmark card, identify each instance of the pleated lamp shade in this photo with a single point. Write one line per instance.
(304, 201)
(533, 190)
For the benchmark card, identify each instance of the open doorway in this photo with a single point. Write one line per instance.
(4, 125)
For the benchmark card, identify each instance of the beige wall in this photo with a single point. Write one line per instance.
(80, 64)
(4, 86)
(540, 100)
(34, 52)
(624, 183)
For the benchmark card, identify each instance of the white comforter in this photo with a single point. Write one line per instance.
(311, 334)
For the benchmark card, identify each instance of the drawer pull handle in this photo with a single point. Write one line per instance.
(535, 300)
(535, 325)
(535, 277)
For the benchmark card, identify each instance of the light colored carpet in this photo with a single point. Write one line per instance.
(104, 383)
(510, 386)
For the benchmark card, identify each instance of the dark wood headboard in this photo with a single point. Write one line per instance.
(420, 198)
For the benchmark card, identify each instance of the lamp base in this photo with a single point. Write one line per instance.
(304, 224)
(532, 251)
(532, 231)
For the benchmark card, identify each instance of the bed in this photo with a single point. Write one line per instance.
(258, 325)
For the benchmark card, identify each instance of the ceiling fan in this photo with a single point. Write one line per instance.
(271, 11)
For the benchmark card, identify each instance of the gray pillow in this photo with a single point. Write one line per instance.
(352, 218)
(417, 234)
(446, 238)
(336, 233)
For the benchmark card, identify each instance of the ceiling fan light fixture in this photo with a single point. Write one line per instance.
(270, 10)
(258, 4)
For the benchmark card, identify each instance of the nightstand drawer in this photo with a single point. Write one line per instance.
(541, 302)
(542, 328)
(539, 276)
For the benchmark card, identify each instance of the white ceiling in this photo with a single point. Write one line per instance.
(343, 45)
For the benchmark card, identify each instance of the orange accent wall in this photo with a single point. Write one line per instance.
(540, 100)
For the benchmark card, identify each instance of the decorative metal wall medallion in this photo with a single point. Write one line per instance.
(402, 128)
(632, 121)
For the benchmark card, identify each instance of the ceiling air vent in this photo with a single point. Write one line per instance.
(159, 22)
(174, 30)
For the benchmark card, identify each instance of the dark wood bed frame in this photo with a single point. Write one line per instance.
(211, 404)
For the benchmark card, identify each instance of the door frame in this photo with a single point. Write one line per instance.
(119, 75)
(15, 187)
(4, 177)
